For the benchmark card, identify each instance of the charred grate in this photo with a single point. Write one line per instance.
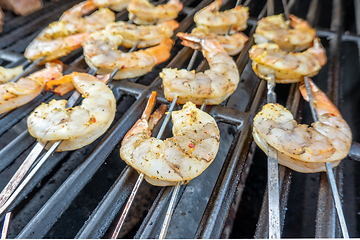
(94, 175)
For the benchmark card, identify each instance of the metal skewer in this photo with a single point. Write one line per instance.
(329, 172)
(141, 176)
(273, 175)
(6, 224)
(173, 199)
(28, 69)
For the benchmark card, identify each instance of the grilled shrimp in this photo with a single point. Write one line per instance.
(67, 34)
(100, 50)
(187, 154)
(96, 21)
(26, 89)
(277, 30)
(268, 59)
(300, 147)
(148, 35)
(115, 5)
(77, 126)
(232, 44)
(143, 12)
(7, 74)
(220, 22)
(213, 85)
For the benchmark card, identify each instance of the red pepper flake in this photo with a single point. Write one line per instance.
(188, 114)
(92, 119)
(191, 145)
(332, 114)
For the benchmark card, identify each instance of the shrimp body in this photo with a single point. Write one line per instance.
(213, 85)
(115, 5)
(220, 22)
(100, 50)
(327, 140)
(277, 30)
(67, 34)
(268, 59)
(142, 12)
(26, 89)
(187, 154)
(148, 35)
(232, 44)
(7, 74)
(77, 126)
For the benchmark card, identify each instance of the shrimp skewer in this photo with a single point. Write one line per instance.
(100, 52)
(329, 171)
(232, 44)
(144, 36)
(143, 12)
(213, 85)
(141, 175)
(220, 22)
(303, 148)
(275, 29)
(67, 34)
(77, 126)
(26, 89)
(268, 59)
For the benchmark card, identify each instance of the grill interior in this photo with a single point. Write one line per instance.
(81, 194)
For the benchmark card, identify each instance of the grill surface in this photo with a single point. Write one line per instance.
(80, 194)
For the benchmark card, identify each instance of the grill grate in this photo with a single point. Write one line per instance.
(84, 191)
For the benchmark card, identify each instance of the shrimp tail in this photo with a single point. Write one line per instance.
(212, 46)
(74, 41)
(156, 116)
(149, 106)
(296, 22)
(60, 86)
(162, 51)
(172, 24)
(142, 124)
(176, 3)
(321, 101)
(79, 10)
(319, 51)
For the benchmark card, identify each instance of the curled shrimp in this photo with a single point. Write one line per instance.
(300, 147)
(144, 36)
(115, 5)
(100, 50)
(220, 22)
(268, 59)
(213, 85)
(233, 44)
(186, 155)
(63, 36)
(26, 89)
(277, 30)
(7, 74)
(75, 126)
(143, 12)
